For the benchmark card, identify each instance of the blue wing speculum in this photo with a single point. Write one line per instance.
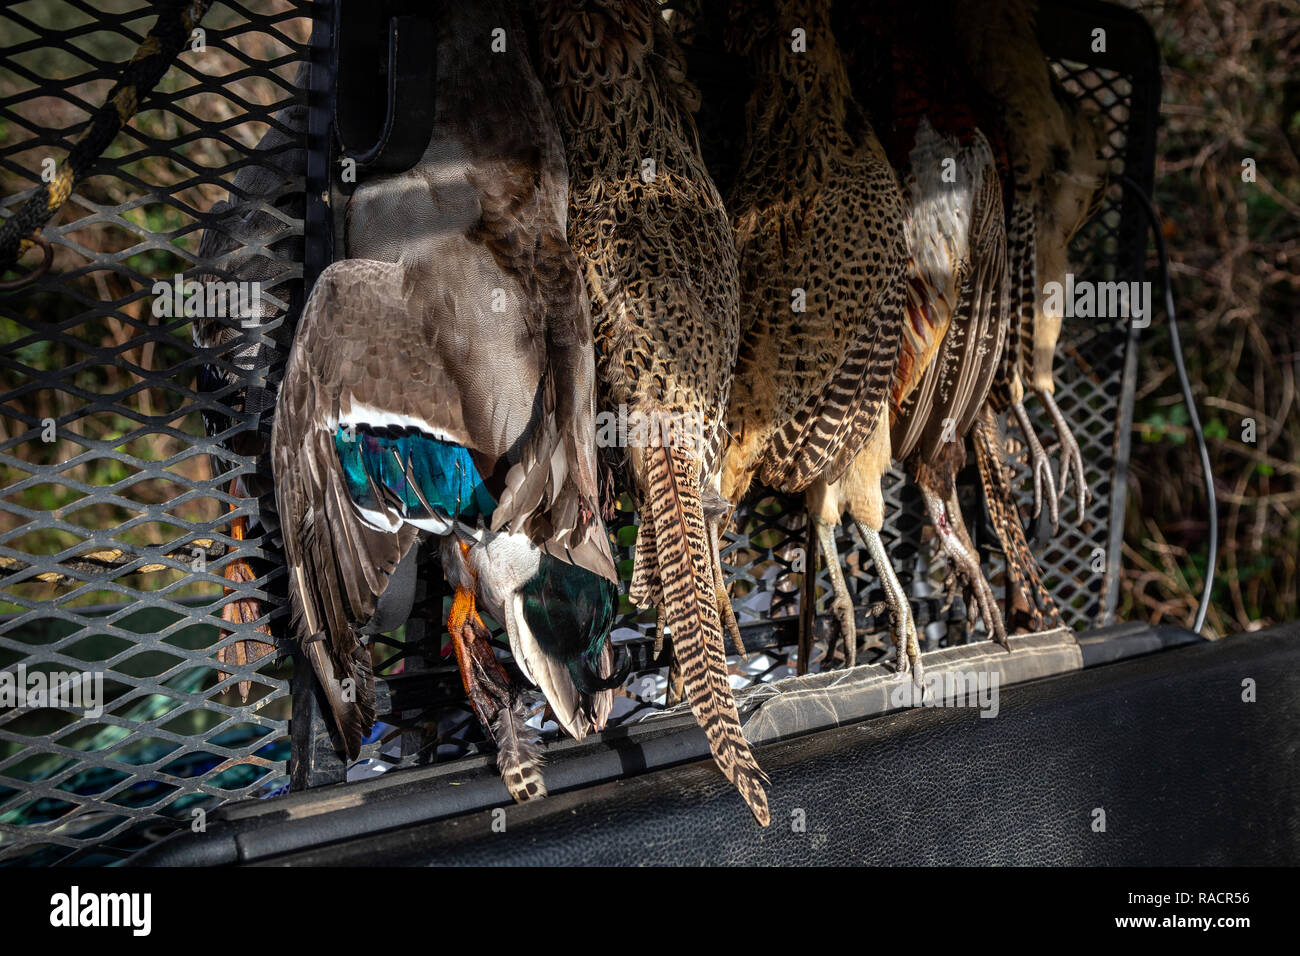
(418, 476)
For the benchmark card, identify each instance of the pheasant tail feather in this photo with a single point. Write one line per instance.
(685, 572)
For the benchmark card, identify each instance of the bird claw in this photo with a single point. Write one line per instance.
(1071, 456)
(661, 618)
(1043, 477)
(949, 588)
(907, 663)
(848, 632)
(1072, 467)
(1040, 467)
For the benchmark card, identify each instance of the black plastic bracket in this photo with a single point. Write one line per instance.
(385, 64)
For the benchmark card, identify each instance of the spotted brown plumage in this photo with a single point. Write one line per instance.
(838, 236)
(936, 139)
(442, 381)
(655, 244)
(819, 230)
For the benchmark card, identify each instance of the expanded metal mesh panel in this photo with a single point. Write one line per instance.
(115, 507)
(99, 526)
(1090, 370)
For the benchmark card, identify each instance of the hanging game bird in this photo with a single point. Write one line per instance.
(1055, 165)
(955, 250)
(655, 244)
(819, 230)
(442, 381)
(1070, 194)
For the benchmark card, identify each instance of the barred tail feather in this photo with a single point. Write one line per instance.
(1006, 518)
(519, 758)
(672, 483)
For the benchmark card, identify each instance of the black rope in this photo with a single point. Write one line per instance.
(1212, 557)
(140, 75)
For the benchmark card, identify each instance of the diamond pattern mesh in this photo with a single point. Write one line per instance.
(103, 528)
(113, 522)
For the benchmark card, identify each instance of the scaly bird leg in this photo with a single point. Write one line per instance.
(808, 602)
(841, 604)
(1071, 457)
(966, 562)
(998, 628)
(241, 611)
(1031, 603)
(676, 685)
(902, 623)
(1040, 466)
(725, 611)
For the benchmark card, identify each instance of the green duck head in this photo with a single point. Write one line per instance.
(570, 612)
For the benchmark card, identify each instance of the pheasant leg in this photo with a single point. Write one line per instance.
(808, 602)
(902, 623)
(1071, 457)
(1040, 466)
(841, 604)
(725, 611)
(966, 562)
(1031, 604)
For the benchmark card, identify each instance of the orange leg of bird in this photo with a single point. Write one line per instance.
(242, 611)
(486, 684)
(462, 609)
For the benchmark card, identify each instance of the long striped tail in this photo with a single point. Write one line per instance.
(1021, 567)
(672, 484)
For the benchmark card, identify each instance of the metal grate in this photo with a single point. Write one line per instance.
(113, 524)
(127, 484)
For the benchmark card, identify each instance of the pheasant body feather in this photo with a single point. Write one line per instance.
(655, 244)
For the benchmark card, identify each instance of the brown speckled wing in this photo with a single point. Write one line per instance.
(958, 381)
(338, 566)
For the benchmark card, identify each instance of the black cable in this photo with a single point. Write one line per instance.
(1212, 558)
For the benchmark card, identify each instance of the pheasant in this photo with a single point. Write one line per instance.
(819, 228)
(1070, 194)
(239, 230)
(655, 244)
(1049, 159)
(934, 136)
(442, 382)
